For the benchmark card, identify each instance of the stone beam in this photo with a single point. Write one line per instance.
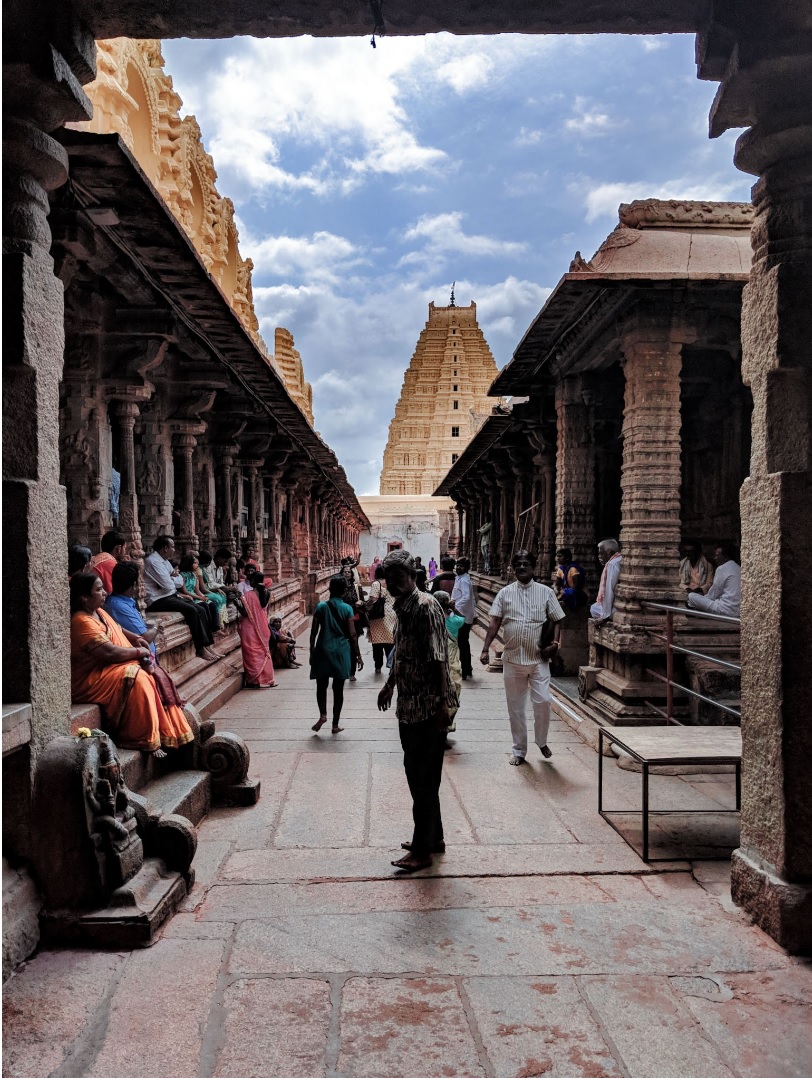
(347, 18)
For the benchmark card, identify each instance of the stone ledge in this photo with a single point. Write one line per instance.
(16, 726)
(781, 908)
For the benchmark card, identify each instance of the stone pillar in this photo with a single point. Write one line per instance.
(772, 869)
(224, 515)
(36, 653)
(546, 552)
(251, 469)
(41, 93)
(156, 474)
(128, 516)
(651, 478)
(185, 497)
(575, 469)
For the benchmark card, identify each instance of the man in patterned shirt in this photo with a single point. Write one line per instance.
(520, 611)
(425, 694)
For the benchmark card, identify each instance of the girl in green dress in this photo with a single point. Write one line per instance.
(333, 643)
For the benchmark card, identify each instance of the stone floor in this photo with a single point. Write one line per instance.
(539, 945)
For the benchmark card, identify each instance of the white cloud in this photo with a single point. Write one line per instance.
(322, 256)
(468, 72)
(589, 122)
(528, 137)
(443, 235)
(603, 200)
(653, 44)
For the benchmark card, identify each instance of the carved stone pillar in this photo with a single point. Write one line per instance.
(156, 474)
(253, 493)
(224, 514)
(651, 478)
(36, 659)
(575, 469)
(185, 492)
(772, 869)
(546, 552)
(128, 516)
(41, 92)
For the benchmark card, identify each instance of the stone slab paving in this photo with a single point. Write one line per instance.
(538, 945)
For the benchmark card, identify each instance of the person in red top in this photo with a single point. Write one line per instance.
(113, 544)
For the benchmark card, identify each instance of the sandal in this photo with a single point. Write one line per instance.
(336, 729)
(412, 863)
(322, 720)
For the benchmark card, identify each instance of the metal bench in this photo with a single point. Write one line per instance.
(672, 745)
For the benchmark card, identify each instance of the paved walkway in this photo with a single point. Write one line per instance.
(538, 945)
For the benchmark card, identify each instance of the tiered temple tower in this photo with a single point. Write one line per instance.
(443, 402)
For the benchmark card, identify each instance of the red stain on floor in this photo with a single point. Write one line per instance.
(534, 1067)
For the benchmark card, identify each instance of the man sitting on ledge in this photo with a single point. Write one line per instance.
(162, 595)
(610, 558)
(724, 595)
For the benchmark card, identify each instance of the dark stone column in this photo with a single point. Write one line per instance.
(129, 518)
(651, 477)
(772, 869)
(224, 514)
(185, 491)
(575, 469)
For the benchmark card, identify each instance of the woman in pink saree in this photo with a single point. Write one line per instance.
(254, 633)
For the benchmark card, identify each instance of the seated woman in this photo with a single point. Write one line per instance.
(79, 558)
(121, 605)
(254, 636)
(189, 567)
(113, 668)
(283, 646)
(207, 583)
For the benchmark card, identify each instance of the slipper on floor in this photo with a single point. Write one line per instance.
(410, 867)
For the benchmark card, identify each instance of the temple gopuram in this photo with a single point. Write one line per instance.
(443, 402)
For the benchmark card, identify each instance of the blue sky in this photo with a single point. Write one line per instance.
(366, 180)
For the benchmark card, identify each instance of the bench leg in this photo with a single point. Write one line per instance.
(645, 812)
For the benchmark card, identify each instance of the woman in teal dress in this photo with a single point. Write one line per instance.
(207, 584)
(189, 567)
(333, 643)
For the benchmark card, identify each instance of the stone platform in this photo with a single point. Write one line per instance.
(538, 945)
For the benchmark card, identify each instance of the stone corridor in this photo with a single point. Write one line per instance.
(538, 945)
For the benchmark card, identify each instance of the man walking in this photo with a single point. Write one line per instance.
(520, 610)
(425, 695)
(464, 596)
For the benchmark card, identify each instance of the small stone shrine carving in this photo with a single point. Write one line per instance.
(86, 845)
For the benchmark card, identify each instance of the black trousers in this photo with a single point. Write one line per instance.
(380, 654)
(196, 619)
(338, 696)
(423, 746)
(464, 642)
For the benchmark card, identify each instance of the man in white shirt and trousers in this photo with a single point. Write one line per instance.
(520, 610)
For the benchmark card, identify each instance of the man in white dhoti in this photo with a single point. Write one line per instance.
(610, 559)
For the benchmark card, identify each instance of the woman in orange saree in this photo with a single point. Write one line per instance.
(112, 669)
(254, 636)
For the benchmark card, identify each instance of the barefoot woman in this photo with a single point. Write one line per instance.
(111, 668)
(333, 643)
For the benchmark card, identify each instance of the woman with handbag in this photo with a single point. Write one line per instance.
(382, 620)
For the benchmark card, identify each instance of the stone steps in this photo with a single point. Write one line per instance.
(170, 790)
(187, 793)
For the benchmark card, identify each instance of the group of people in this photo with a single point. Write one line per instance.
(114, 662)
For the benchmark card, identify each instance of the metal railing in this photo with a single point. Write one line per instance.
(671, 648)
